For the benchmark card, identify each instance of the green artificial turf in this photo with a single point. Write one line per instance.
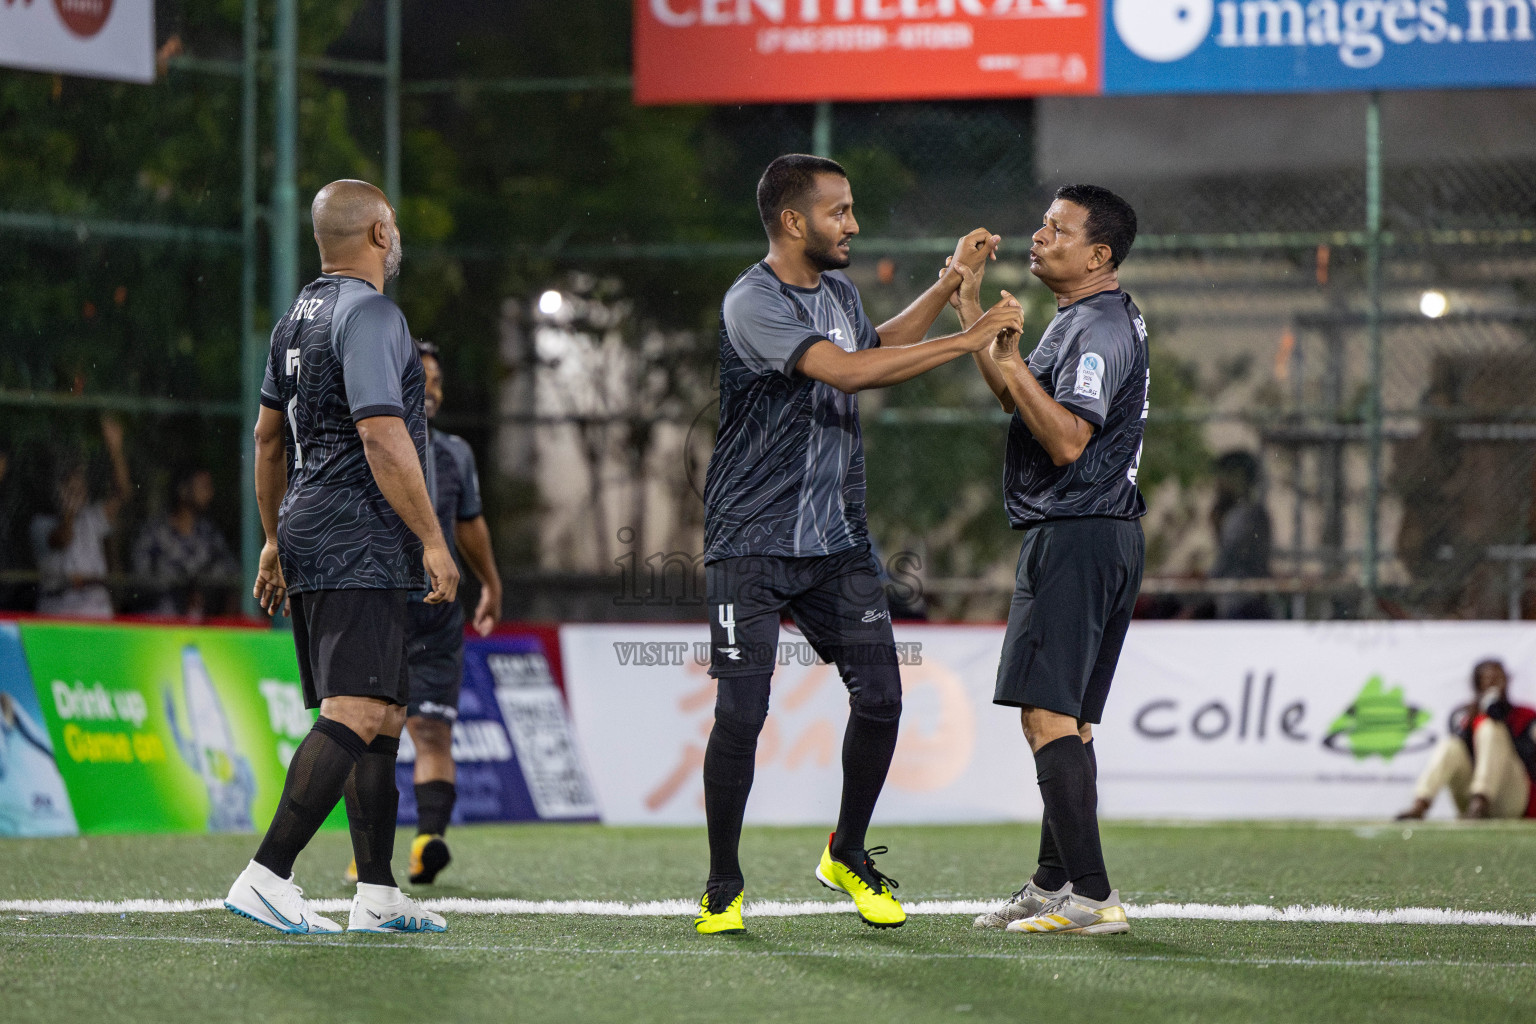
(214, 967)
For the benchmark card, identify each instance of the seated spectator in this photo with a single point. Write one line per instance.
(69, 543)
(1242, 535)
(183, 557)
(1489, 760)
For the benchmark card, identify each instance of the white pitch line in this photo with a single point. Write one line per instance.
(1253, 912)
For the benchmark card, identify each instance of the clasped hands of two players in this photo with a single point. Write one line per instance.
(998, 329)
(271, 590)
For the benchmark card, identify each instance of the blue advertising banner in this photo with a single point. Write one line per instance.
(513, 742)
(1227, 46)
(33, 797)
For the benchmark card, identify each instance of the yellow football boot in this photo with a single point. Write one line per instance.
(871, 891)
(350, 875)
(429, 855)
(716, 917)
(1072, 914)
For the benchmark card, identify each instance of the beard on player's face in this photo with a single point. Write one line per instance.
(822, 250)
(393, 257)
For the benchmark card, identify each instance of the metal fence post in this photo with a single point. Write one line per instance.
(250, 343)
(1371, 567)
(392, 28)
(284, 219)
(821, 130)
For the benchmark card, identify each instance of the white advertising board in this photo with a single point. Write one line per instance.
(1206, 720)
(97, 38)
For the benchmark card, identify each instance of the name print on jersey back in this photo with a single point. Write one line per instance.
(342, 353)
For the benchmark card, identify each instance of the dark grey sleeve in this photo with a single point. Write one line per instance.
(1092, 366)
(470, 506)
(269, 395)
(764, 330)
(375, 347)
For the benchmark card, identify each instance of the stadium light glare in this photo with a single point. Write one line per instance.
(1433, 304)
(551, 302)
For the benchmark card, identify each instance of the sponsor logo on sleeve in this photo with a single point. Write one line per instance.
(1090, 376)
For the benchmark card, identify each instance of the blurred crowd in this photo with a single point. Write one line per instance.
(90, 544)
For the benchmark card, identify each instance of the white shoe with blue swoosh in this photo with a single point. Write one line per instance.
(261, 896)
(384, 908)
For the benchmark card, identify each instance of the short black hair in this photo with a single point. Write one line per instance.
(787, 181)
(1111, 221)
(425, 348)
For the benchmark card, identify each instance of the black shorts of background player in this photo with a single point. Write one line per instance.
(1079, 405)
(784, 508)
(340, 447)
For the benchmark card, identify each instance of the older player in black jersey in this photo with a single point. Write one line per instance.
(1079, 405)
(350, 532)
(784, 511)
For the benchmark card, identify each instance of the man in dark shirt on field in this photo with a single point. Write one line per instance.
(340, 442)
(1079, 405)
(784, 507)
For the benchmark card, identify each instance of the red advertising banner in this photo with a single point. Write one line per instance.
(796, 51)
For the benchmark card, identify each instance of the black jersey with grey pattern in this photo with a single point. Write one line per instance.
(1093, 360)
(343, 353)
(787, 474)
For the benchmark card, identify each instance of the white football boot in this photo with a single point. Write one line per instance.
(1073, 914)
(275, 902)
(384, 908)
(1026, 902)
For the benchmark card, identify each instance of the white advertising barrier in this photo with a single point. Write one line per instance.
(1205, 720)
(98, 38)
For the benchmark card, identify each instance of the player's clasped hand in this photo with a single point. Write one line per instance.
(442, 573)
(1004, 320)
(271, 590)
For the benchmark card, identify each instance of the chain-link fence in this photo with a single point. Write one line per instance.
(568, 252)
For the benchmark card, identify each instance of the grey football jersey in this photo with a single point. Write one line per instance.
(1093, 360)
(343, 353)
(787, 474)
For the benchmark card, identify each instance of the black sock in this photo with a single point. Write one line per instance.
(729, 763)
(1051, 874)
(434, 806)
(1065, 771)
(316, 776)
(868, 745)
(373, 803)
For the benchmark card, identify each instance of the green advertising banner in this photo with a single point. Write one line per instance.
(169, 729)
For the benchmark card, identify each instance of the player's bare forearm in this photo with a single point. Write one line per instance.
(396, 468)
(970, 311)
(474, 541)
(851, 372)
(911, 325)
(271, 469)
(1061, 432)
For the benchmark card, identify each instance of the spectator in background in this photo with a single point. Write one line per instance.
(1242, 534)
(184, 554)
(1488, 762)
(70, 542)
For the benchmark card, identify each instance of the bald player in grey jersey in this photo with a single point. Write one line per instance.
(350, 531)
(1079, 405)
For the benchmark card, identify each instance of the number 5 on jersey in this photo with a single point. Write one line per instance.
(292, 367)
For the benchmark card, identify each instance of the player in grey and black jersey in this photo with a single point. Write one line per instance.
(350, 532)
(1079, 404)
(784, 507)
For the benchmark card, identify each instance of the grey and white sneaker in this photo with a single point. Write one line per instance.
(384, 908)
(1071, 913)
(1027, 902)
(275, 902)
